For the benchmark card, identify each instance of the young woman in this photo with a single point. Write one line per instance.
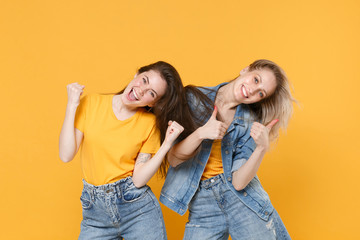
(213, 170)
(120, 151)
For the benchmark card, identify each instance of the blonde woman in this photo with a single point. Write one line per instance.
(213, 170)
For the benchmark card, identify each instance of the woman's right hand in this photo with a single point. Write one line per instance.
(74, 91)
(213, 129)
(173, 131)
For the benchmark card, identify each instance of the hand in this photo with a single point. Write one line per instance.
(74, 91)
(213, 129)
(260, 133)
(173, 131)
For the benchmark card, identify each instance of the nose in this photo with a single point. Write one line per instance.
(253, 90)
(142, 90)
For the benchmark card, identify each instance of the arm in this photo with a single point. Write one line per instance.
(70, 137)
(145, 166)
(246, 172)
(185, 149)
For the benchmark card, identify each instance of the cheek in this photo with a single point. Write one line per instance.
(149, 99)
(256, 98)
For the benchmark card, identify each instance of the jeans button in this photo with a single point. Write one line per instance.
(212, 180)
(227, 152)
(229, 179)
(245, 194)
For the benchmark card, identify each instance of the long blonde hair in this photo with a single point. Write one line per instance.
(277, 106)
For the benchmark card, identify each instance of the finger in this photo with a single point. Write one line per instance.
(272, 123)
(176, 125)
(253, 136)
(214, 113)
(257, 124)
(255, 132)
(223, 128)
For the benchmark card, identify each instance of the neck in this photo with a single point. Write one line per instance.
(225, 97)
(120, 107)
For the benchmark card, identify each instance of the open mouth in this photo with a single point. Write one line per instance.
(133, 95)
(243, 89)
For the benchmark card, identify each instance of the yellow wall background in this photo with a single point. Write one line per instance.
(312, 175)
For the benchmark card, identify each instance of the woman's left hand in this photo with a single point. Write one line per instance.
(173, 131)
(260, 133)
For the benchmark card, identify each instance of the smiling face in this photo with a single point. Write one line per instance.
(252, 87)
(144, 90)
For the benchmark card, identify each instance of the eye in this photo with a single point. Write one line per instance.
(144, 80)
(256, 80)
(261, 94)
(152, 94)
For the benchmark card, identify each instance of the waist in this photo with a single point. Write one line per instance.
(111, 188)
(212, 181)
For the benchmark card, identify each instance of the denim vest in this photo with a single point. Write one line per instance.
(236, 147)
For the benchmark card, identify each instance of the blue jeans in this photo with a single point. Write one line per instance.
(215, 212)
(120, 211)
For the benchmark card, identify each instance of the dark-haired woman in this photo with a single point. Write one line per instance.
(120, 137)
(213, 170)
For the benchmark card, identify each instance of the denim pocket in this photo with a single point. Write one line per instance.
(85, 200)
(133, 193)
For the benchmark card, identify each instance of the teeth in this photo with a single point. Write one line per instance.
(244, 91)
(135, 95)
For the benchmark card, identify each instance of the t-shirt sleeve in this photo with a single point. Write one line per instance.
(81, 113)
(152, 143)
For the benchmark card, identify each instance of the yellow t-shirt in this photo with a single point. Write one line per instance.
(214, 165)
(110, 146)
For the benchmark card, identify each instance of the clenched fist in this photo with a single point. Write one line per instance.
(173, 131)
(74, 91)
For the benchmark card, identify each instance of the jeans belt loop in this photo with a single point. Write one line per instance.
(92, 194)
(118, 190)
(222, 177)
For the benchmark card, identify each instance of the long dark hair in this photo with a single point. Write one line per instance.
(171, 106)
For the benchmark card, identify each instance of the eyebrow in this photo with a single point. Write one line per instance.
(261, 81)
(147, 78)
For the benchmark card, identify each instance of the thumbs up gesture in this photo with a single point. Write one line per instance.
(213, 129)
(260, 133)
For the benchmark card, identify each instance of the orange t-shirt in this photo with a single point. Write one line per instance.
(214, 165)
(110, 146)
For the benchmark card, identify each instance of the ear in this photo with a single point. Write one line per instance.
(245, 70)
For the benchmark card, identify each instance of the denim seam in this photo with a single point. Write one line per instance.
(159, 212)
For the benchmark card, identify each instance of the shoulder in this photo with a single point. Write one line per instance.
(146, 116)
(97, 98)
(198, 96)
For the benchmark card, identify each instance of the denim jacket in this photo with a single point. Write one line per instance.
(237, 146)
